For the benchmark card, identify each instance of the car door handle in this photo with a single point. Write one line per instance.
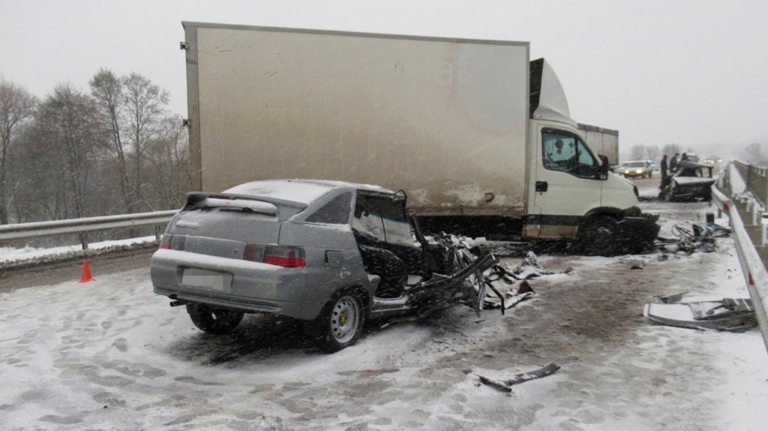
(541, 186)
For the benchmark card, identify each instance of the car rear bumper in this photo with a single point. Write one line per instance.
(254, 286)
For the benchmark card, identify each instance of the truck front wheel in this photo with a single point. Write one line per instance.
(600, 236)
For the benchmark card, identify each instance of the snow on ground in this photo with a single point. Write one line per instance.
(11, 254)
(112, 355)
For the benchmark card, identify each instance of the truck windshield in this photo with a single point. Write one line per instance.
(566, 152)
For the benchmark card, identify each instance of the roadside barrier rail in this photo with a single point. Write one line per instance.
(72, 226)
(748, 233)
(756, 178)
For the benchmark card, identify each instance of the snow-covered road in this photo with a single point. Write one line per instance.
(112, 355)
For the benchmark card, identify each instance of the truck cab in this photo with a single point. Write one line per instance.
(571, 194)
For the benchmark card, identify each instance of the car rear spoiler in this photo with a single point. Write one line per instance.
(255, 203)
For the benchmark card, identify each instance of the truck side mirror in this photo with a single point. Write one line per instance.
(603, 168)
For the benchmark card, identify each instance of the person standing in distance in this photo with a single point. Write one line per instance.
(673, 163)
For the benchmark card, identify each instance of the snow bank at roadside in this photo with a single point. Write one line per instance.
(13, 257)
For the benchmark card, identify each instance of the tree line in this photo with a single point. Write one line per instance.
(113, 148)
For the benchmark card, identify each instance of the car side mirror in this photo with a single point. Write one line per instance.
(602, 170)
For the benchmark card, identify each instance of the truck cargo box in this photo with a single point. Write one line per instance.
(446, 120)
(604, 141)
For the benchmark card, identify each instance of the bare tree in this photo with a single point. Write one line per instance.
(68, 126)
(145, 109)
(16, 106)
(169, 156)
(42, 187)
(754, 154)
(652, 151)
(637, 152)
(108, 92)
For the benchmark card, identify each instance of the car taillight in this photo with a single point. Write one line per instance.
(165, 242)
(173, 242)
(288, 257)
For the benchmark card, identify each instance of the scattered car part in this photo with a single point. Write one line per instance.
(506, 385)
(724, 314)
(699, 238)
(669, 299)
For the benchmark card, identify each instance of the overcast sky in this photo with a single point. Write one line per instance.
(688, 72)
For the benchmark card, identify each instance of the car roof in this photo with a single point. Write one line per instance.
(298, 190)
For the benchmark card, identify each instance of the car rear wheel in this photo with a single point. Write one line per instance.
(215, 321)
(342, 322)
(600, 236)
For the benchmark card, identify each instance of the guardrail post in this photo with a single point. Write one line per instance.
(762, 236)
(84, 241)
(157, 232)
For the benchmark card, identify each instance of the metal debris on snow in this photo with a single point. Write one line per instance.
(493, 285)
(505, 385)
(728, 314)
(700, 238)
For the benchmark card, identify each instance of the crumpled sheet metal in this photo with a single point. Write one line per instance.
(501, 285)
(699, 238)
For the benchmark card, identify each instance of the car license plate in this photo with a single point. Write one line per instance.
(195, 277)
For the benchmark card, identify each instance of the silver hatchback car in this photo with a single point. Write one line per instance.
(328, 253)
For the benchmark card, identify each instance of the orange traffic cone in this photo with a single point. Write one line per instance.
(86, 277)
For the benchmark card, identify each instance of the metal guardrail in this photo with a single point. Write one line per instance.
(756, 178)
(748, 233)
(73, 226)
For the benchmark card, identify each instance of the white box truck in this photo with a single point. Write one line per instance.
(478, 136)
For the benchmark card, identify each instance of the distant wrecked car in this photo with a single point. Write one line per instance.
(331, 254)
(689, 182)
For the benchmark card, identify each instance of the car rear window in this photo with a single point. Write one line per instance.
(334, 212)
(294, 191)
